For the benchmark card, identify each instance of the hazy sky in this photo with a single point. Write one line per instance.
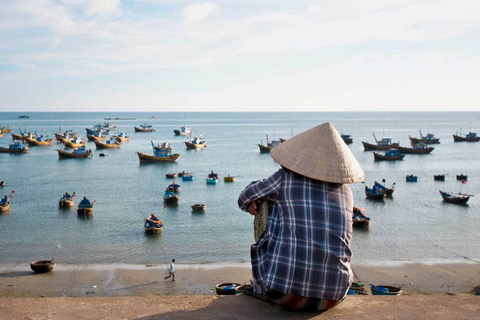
(239, 55)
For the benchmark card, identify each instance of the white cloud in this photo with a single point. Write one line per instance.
(198, 12)
(100, 7)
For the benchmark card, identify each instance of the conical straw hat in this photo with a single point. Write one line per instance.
(321, 154)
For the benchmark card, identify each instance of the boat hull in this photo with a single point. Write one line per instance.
(65, 203)
(381, 157)
(171, 199)
(7, 150)
(85, 211)
(211, 181)
(417, 141)
(120, 139)
(43, 266)
(70, 144)
(145, 158)
(228, 179)
(143, 130)
(415, 151)
(102, 145)
(371, 147)
(464, 139)
(180, 133)
(4, 208)
(153, 230)
(439, 178)
(92, 137)
(17, 136)
(264, 149)
(193, 146)
(170, 175)
(35, 143)
(63, 155)
(198, 207)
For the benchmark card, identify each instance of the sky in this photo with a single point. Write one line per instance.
(239, 55)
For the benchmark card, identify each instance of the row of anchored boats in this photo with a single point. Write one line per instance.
(381, 190)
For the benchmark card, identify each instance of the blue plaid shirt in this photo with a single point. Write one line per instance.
(305, 249)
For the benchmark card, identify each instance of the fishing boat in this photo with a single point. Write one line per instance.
(25, 116)
(96, 137)
(17, 136)
(382, 188)
(85, 207)
(428, 139)
(198, 207)
(195, 144)
(64, 136)
(359, 218)
(15, 147)
(211, 180)
(4, 206)
(144, 128)
(108, 126)
(266, 148)
(174, 187)
(66, 201)
(385, 290)
(75, 143)
(439, 177)
(121, 137)
(347, 138)
(419, 148)
(107, 144)
(458, 198)
(229, 179)
(390, 155)
(81, 152)
(462, 177)
(162, 153)
(150, 227)
(43, 266)
(170, 197)
(373, 193)
(384, 144)
(5, 130)
(36, 140)
(411, 178)
(184, 131)
(188, 177)
(96, 130)
(170, 175)
(470, 137)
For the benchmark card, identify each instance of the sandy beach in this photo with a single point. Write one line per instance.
(437, 289)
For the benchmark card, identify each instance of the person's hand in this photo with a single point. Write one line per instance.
(252, 208)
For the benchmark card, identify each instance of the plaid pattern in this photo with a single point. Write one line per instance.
(305, 249)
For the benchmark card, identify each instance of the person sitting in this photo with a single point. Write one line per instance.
(85, 202)
(2, 183)
(4, 199)
(153, 221)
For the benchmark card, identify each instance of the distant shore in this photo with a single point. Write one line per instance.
(113, 280)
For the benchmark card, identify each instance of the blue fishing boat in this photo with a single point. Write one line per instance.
(195, 144)
(121, 137)
(211, 181)
(385, 290)
(390, 155)
(384, 144)
(187, 177)
(347, 138)
(359, 218)
(15, 147)
(373, 193)
(170, 197)
(458, 198)
(95, 131)
(173, 187)
(144, 128)
(382, 188)
(161, 153)
(470, 137)
(411, 178)
(80, 152)
(184, 131)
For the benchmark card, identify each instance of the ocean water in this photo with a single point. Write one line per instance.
(414, 224)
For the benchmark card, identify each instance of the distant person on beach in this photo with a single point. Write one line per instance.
(302, 259)
(171, 270)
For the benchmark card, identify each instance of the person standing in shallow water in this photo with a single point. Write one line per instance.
(171, 270)
(302, 260)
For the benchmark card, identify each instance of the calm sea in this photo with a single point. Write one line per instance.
(413, 225)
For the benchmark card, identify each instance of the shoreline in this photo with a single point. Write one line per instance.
(116, 280)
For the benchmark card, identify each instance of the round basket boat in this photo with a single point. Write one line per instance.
(226, 288)
(43, 266)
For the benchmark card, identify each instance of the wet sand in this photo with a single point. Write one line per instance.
(432, 291)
